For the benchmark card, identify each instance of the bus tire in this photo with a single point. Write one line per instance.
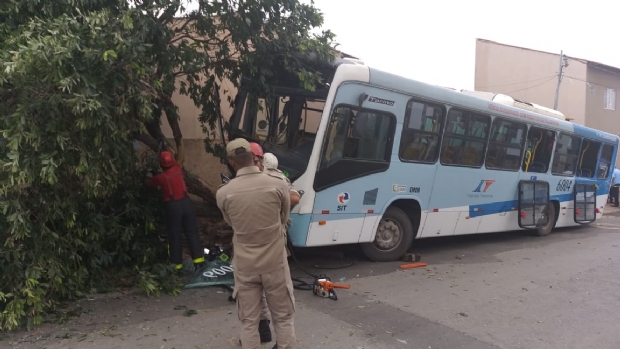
(546, 230)
(393, 238)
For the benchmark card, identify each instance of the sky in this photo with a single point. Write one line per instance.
(434, 41)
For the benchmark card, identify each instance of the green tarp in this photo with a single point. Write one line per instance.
(216, 273)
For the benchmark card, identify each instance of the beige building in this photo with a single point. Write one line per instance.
(587, 92)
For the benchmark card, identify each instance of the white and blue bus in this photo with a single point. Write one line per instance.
(383, 160)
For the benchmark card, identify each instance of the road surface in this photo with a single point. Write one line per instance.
(507, 290)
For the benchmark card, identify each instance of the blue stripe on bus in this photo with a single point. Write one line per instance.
(506, 206)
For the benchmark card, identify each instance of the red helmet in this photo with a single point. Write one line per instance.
(166, 159)
(257, 150)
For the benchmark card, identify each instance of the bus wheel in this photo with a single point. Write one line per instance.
(393, 238)
(546, 229)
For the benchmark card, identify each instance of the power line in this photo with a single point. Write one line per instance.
(591, 83)
(521, 82)
(531, 87)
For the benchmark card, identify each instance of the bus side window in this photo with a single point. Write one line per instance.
(604, 165)
(586, 165)
(464, 138)
(566, 157)
(358, 135)
(538, 150)
(505, 145)
(419, 140)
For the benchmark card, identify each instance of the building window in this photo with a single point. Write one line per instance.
(464, 138)
(505, 145)
(610, 99)
(566, 155)
(419, 140)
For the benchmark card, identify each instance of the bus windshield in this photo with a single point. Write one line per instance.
(286, 122)
(286, 125)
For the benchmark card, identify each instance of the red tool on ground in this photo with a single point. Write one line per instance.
(324, 287)
(413, 265)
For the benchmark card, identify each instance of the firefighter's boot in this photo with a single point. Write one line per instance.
(264, 331)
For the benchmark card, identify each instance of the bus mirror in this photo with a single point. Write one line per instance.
(533, 202)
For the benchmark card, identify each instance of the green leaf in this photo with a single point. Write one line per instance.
(109, 53)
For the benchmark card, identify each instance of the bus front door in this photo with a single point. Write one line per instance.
(533, 201)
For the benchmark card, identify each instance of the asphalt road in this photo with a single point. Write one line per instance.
(507, 290)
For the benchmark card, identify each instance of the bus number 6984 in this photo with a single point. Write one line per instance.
(564, 185)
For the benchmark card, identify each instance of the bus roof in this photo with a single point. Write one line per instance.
(511, 101)
(501, 106)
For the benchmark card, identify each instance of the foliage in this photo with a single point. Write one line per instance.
(80, 81)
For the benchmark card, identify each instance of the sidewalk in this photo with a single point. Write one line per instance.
(123, 322)
(611, 211)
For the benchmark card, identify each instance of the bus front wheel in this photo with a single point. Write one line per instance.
(393, 238)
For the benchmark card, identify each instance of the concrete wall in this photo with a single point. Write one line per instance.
(530, 76)
(197, 160)
(598, 81)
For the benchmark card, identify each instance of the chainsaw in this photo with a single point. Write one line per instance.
(323, 287)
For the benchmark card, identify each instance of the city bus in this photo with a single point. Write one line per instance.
(383, 160)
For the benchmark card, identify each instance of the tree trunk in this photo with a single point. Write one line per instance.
(199, 188)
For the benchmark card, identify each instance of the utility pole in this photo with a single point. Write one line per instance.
(563, 63)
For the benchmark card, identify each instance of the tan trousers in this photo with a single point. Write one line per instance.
(264, 309)
(277, 288)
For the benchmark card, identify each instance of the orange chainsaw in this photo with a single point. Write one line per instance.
(324, 287)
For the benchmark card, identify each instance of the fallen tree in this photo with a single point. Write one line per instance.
(80, 82)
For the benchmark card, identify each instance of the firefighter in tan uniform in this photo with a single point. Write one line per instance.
(257, 205)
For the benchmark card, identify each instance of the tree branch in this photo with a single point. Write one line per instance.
(173, 121)
(148, 141)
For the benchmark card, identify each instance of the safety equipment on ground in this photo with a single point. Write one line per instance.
(257, 150)
(166, 159)
(270, 161)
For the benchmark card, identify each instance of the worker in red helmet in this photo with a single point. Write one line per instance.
(180, 215)
(257, 150)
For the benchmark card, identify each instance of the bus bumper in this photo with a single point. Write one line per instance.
(298, 230)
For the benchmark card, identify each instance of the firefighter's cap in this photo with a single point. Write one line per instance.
(237, 147)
